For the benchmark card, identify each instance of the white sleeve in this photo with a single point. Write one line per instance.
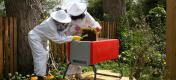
(91, 21)
(58, 37)
(50, 32)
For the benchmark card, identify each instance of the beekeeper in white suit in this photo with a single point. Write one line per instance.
(80, 19)
(54, 29)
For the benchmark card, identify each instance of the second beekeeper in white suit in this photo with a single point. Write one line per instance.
(80, 19)
(54, 28)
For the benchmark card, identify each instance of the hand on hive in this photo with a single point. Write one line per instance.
(77, 38)
(98, 29)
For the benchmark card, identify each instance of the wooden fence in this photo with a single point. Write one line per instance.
(8, 46)
(109, 30)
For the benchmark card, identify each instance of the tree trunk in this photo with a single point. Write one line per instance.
(28, 13)
(171, 37)
(114, 8)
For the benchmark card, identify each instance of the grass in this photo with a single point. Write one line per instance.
(106, 65)
(110, 65)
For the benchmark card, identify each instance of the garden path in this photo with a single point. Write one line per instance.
(90, 75)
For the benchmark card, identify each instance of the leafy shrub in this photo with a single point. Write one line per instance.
(141, 43)
(157, 21)
(18, 76)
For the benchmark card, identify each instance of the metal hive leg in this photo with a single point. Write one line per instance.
(121, 73)
(66, 70)
(95, 71)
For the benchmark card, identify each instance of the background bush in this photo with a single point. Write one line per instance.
(142, 42)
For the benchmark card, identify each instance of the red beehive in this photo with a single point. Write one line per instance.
(92, 52)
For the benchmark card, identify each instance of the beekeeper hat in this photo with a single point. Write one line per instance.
(61, 16)
(77, 9)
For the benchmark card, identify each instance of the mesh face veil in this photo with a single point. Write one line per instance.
(81, 16)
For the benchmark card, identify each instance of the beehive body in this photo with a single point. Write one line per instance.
(104, 50)
(92, 52)
(80, 52)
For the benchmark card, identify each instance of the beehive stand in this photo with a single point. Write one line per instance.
(87, 52)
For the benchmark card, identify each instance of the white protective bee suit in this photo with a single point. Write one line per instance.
(41, 34)
(75, 10)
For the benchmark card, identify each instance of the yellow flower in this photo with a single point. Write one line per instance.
(165, 62)
(156, 72)
(150, 55)
(50, 77)
(34, 78)
(159, 54)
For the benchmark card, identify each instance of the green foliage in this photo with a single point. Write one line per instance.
(157, 21)
(95, 8)
(2, 13)
(139, 45)
(129, 4)
(49, 5)
(57, 75)
(147, 5)
(106, 17)
(2, 8)
(61, 68)
(18, 76)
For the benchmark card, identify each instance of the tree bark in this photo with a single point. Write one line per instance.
(28, 13)
(114, 8)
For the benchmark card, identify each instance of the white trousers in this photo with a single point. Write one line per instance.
(39, 52)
